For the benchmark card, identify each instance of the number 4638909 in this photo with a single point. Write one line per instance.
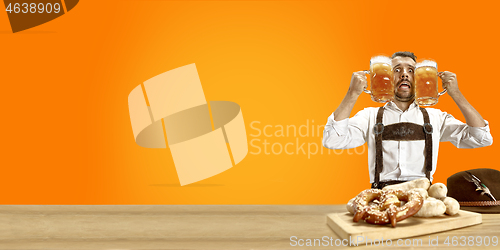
(33, 8)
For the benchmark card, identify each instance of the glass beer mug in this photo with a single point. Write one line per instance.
(382, 86)
(426, 83)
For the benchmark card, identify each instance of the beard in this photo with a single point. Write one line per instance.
(404, 97)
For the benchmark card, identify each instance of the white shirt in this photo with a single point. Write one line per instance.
(403, 160)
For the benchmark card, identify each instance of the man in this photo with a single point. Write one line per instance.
(403, 139)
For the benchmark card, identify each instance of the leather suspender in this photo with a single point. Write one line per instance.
(399, 132)
(378, 129)
(428, 144)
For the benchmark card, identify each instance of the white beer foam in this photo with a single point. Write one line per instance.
(381, 59)
(427, 63)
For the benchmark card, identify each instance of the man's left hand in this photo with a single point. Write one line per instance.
(449, 80)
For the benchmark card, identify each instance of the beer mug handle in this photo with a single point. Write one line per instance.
(365, 90)
(444, 91)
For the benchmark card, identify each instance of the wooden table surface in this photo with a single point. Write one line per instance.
(187, 227)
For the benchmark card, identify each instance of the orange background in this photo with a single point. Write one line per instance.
(67, 137)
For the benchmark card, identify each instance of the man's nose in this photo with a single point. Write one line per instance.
(405, 75)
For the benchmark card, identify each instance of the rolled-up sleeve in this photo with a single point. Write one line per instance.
(464, 136)
(347, 133)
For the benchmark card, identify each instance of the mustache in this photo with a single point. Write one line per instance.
(403, 80)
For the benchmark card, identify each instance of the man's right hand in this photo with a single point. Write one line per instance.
(359, 82)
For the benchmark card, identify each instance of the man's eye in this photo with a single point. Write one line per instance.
(396, 70)
(410, 70)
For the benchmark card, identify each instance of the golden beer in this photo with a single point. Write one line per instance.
(382, 86)
(426, 83)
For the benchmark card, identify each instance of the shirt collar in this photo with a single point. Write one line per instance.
(393, 106)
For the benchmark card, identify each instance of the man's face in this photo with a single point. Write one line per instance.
(404, 83)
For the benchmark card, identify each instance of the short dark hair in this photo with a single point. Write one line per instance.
(405, 54)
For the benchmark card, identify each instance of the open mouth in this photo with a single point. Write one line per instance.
(404, 85)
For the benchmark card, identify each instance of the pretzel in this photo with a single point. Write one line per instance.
(388, 209)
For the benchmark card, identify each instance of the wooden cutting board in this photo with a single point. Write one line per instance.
(344, 227)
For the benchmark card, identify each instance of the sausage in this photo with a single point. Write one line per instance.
(432, 207)
(422, 192)
(438, 190)
(407, 186)
(452, 205)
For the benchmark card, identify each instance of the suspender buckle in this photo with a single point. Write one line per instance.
(378, 128)
(428, 128)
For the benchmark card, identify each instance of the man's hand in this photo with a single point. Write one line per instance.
(472, 117)
(359, 82)
(449, 80)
